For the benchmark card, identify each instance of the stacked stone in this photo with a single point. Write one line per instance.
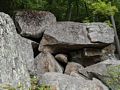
(63, 55)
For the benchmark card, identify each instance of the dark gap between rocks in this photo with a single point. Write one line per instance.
(63, 65)
(83, 60)
(33, 39)
(35, 48)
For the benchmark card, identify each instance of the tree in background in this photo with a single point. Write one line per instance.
(72, 10)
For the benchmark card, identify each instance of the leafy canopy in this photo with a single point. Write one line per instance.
(103, 8)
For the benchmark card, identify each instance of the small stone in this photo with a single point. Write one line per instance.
(73, 67)
(62, 58)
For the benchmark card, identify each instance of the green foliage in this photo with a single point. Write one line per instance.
(108, 22)
(76, 10)
(7, 87)
(34, 4)
(34, 86)
(103, 8)
(114, 78)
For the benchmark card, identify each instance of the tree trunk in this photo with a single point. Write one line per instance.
(77, 5)
(116, 36)
(86, 9)
(69, 10)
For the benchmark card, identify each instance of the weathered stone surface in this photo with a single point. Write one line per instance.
(62, 58)
(100, 32)
(45, 62)
(13, 54)
(66, 82)
(32, 24)
(73, 67)
(26, 51)
(64, 36)
(100, 70)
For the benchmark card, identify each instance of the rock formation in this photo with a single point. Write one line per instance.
(64, 55)
(66, 36)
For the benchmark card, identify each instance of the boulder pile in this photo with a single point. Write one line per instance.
(64, 55)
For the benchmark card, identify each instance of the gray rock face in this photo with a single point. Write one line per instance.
(66, 82)
(62, 58)
(12, 55)
(26, 51)
(32, 24)
(45, 62)
(64, 36)
(73, 67)
(100, 32)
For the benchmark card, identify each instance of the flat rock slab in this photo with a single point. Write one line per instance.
(100, 68)
(64, 36)
(32, 24)
(13, 69)
(65, 82)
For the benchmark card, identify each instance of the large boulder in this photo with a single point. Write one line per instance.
(45, 62)
(32, 24)
(65, 36)
(66, 82)
(13, 54)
